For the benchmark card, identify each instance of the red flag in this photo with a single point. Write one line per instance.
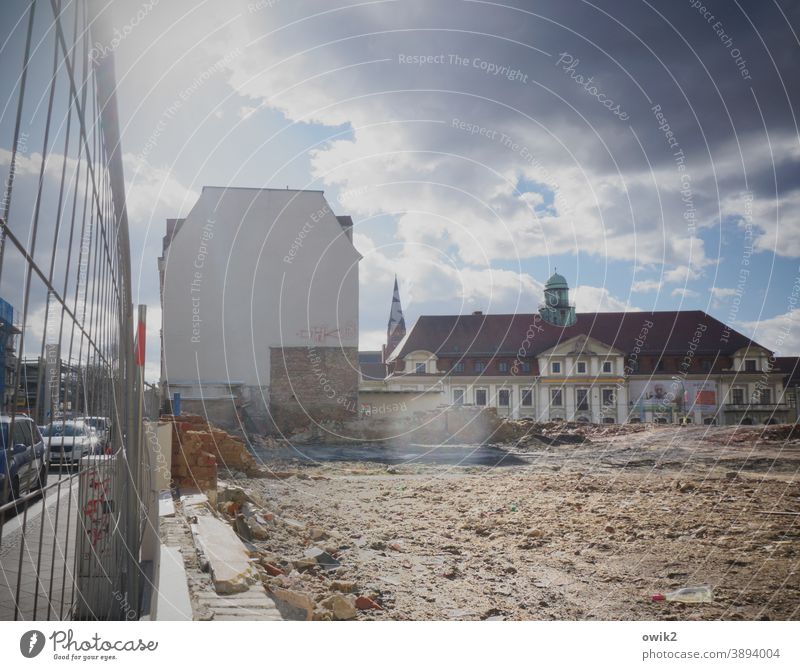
(140, 342)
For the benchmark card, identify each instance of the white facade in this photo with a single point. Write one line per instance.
(247, 270)
(585, 380)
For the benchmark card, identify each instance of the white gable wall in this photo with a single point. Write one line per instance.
(252, 269)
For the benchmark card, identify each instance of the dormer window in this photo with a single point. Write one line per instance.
(555, 367)
(608, 366)
(750, 365)
(581, 367)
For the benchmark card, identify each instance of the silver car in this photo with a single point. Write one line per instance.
(69, 441)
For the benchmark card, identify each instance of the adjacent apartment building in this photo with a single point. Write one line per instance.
(259, 297)
(609, 367)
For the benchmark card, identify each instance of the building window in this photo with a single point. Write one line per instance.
(525, 367)
(706, 366)
(502, 366)
(608, 397)
(737, 396)
(555, 367)
(660, 365)
(458, 366)
(581, 367)
(479, 366)
(503, 398)
(607, 366)
(527, 398)
(763, 396)
(458, 396)
(582, 399)
(608, 419)
(419, 368)
(556, 399)
(750, 365)
(480, 397)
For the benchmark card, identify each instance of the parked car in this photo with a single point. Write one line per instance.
(102, 427)
(24, 458)
(69, 441)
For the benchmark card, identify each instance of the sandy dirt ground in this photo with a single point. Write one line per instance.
(568, 531)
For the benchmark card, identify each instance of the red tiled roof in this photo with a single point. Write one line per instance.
(504, 334)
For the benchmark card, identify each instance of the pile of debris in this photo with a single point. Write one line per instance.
(300, 566)
(199, 450)
(529, 433)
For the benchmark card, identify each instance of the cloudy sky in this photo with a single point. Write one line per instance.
(647, 149)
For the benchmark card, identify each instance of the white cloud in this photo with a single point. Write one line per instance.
(406, 155)
(598, 299)
(719, 295)
(246, 112)
(152, 190)
(645, 286)
(780, 333)
(684, 293)
(372, 340)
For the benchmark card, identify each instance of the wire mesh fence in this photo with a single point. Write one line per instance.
(69, 466)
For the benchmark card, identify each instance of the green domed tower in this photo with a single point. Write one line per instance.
(556, 308)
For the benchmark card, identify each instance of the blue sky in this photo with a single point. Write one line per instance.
(470, 185)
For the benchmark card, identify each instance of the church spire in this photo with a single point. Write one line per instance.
(396, 329)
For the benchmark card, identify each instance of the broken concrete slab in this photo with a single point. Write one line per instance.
(229, 563)
(195, 504)
(172, 602)
(166, 507)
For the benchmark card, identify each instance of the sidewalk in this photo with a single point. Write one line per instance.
(50, 595)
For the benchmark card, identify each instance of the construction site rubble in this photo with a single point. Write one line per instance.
(583, 522)
(587, 523)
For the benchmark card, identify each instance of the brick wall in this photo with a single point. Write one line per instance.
(312, 384)
(199, 450)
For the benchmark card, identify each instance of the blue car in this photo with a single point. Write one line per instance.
(24, 458)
